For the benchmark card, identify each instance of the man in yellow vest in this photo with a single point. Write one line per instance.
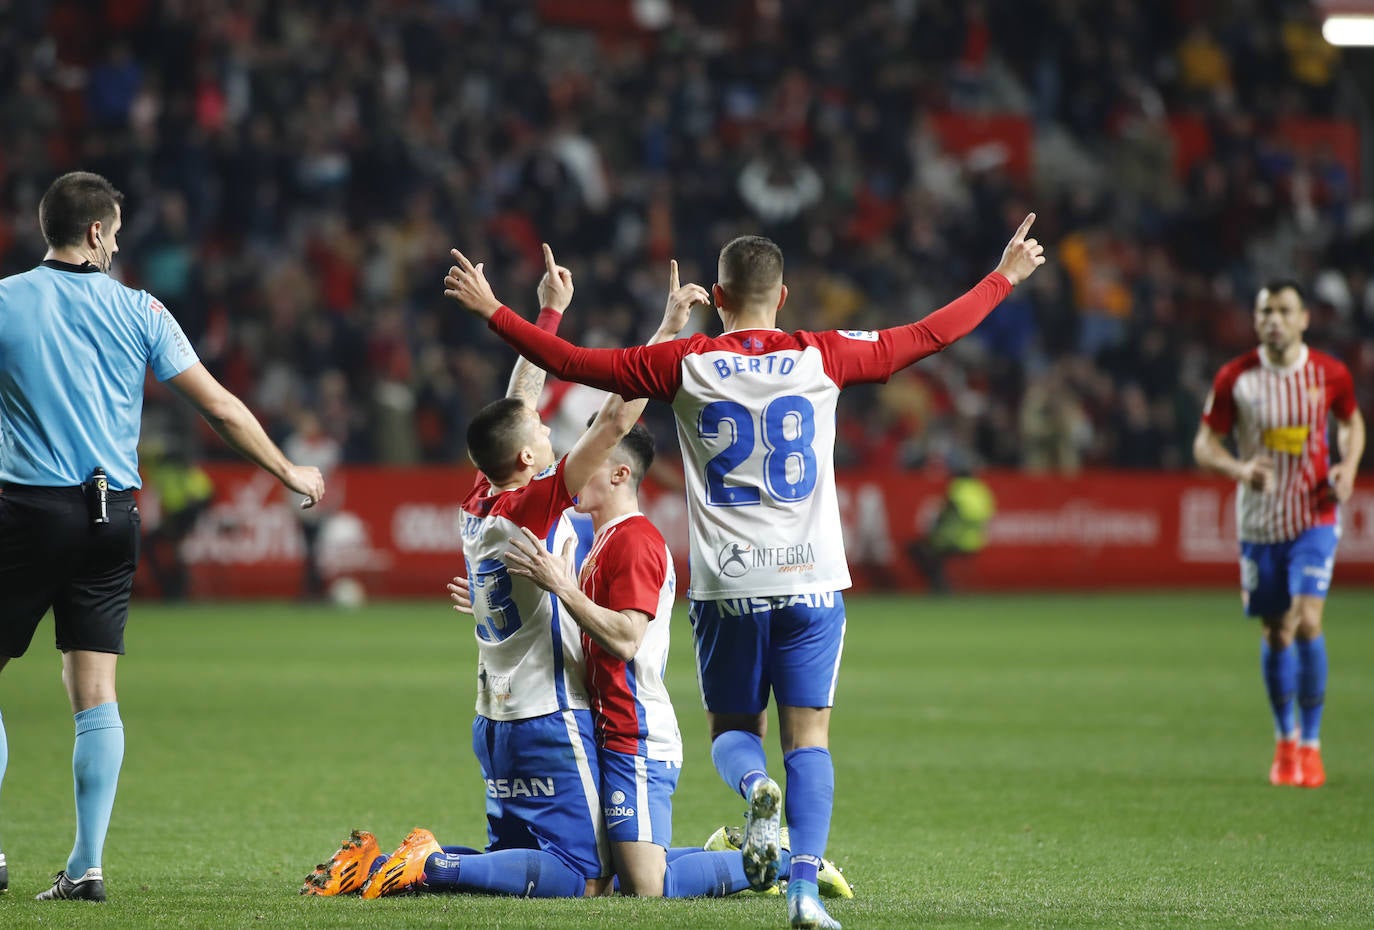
(184, 490)
(959, 529)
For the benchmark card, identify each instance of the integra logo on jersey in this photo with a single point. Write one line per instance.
(520, 787)
(862, 335)
(497, 687)
(737, 559)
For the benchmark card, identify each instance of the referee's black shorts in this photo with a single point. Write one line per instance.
(52, 556)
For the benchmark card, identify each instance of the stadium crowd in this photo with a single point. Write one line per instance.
(295, 174)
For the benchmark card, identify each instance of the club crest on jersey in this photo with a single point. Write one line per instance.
(861, 335)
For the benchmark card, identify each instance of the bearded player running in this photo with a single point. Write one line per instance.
(1276, 399)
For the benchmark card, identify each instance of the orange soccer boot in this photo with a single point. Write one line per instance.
(404, 871)
(346, 870)
(1286, 769)
(1313, 773)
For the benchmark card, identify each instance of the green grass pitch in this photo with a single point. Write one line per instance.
(1011, 762)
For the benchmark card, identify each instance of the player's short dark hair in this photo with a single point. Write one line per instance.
(1286, 284)
(750, 268)
(72, 203)
(495, 437)
(636, 448)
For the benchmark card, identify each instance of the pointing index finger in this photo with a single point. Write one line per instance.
(672, 275)
(1024, 227)
(549, 264)
(461, 259)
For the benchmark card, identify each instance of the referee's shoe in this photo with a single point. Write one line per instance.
(89, 887)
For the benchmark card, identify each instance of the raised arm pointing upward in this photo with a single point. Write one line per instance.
(755, 410)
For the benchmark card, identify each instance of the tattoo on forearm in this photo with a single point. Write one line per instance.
(527, 382)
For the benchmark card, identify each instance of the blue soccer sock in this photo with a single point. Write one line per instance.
(677, 852)
(809, 799)
(1280, 667)
(1311, 686)
(701, 874)
(96, 758)
(526, 873)
(740, 759)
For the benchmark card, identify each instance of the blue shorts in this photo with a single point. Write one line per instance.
(747, 646)
(637, 797)
(541, 777)
(1272, 574)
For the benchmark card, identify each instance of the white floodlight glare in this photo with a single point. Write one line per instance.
(1349, 29)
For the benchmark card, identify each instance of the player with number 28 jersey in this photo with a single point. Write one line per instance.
(756, 420)
(755, 409)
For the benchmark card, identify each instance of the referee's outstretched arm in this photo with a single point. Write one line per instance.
(232, 419)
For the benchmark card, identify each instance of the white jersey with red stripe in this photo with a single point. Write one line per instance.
(1282, 412)
(529, 656)
(630, 568)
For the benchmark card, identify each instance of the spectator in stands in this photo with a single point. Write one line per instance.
(302, 161)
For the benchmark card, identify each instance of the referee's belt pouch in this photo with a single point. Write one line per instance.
(96, 490)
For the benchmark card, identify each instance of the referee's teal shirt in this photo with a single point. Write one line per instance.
(74, 346)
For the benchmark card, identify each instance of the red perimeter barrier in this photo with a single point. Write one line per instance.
(396, 532)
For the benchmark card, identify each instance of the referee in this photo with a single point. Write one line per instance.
(74, 346)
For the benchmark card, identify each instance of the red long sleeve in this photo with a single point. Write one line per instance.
(655, 371)
(549, 318)
(950, 323)
(860, 357)
(642, 371)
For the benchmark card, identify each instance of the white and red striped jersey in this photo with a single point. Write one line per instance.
(756, 420)
(529, 657)
(565, 407)
(1282, 412)
(630, 568)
